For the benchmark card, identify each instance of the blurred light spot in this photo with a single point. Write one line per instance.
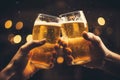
(60, 60)
(97, 31)
(17, 2)
(19, 25)
(8, 24)
(29, 37)
(10, 37)
(17, 39)
(109, 30)
(19, 11)
(60, 3)
(101, 21)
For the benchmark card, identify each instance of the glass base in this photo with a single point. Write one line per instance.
(41, 65)
(81, 61)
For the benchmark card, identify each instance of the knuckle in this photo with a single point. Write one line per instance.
(22, 48)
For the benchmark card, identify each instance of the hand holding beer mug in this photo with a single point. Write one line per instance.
(45, 26)
(73, 24)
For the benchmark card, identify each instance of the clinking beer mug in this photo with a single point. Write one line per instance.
(73, 24)
(45, 26)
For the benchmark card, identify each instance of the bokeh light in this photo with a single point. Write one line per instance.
(17, 39)
(8, 24)
(60, 60)
(29, 38)
(19, 25)
(109, 30)
(10, 37)
(101, 21)
(97, 31)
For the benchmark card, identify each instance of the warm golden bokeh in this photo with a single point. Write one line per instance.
(17, 39)
(97, 31)
(109, 30)
(60, 60)
(29, 37)
(101, 21)
(8, 24)
(11, 37)
(19, 25)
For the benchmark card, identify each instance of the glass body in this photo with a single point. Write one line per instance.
(45, 26)
(73, 24)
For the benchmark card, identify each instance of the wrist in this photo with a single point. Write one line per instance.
(29, 70)
(113, 57)
(10, 72)
(107, 58)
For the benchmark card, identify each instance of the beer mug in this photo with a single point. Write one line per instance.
(45, 26)
(73, 24)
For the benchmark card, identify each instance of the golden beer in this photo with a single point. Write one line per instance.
(42, 56)
(72, 33)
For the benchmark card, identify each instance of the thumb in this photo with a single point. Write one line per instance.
(92, 37)
(89, 36)
(35, 43)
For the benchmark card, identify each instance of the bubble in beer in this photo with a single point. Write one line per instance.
(80, 50)
(42, 55)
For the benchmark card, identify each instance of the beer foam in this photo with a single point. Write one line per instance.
(47, 23)
(73, 22)
(81, 18)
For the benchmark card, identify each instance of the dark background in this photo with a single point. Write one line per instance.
(27, 10)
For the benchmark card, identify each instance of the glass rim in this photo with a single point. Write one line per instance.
(70, 12)
(47, 15)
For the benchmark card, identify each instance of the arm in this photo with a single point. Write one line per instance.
(106, 60)
(17, 68)
(101, 56)
(7, 72)
(112, 56)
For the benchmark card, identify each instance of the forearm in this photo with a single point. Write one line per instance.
(114, 57)
(7, 72)
(10, 73)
